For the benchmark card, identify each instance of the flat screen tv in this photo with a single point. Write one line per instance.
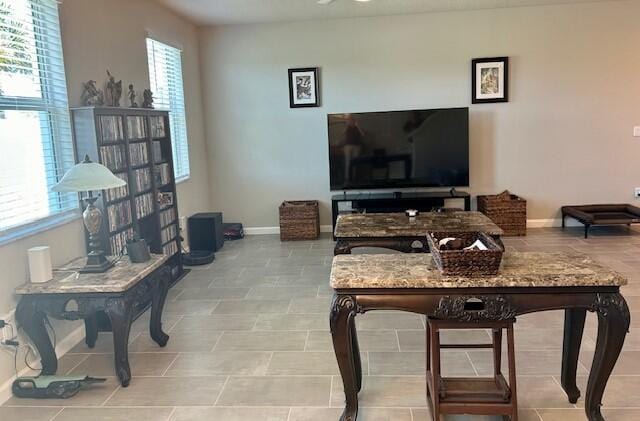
(395, 149)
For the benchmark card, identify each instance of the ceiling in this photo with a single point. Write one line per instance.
(225, 12)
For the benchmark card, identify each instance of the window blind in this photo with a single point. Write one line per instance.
(165, 74)
(36, 146)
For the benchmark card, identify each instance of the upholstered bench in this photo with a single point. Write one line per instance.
(602, 215)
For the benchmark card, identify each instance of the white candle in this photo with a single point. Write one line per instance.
(40, 264)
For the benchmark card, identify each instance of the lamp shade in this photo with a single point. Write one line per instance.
(88, 176)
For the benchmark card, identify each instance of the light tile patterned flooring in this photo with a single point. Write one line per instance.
(250, 341)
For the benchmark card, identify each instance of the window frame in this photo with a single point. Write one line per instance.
(57, 141)
(173, 114)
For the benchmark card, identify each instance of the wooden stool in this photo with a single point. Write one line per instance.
(471, 395)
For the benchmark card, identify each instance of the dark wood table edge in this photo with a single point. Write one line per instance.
(404, 244)
(499, 303)
(33, 309)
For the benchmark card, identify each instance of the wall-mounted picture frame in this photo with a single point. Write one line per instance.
(489, 80)
(303, 87)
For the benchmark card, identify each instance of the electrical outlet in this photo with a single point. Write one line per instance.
(636, 131)
(9, 331)
(637, 193)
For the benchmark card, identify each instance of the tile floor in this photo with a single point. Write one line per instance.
(250, 341)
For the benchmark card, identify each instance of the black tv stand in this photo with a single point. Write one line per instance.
(396, 201)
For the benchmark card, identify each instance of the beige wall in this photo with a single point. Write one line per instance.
(110, 34)
(564, 137)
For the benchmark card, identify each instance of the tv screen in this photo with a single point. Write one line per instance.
(416, 148)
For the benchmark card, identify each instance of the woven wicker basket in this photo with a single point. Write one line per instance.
(508, 211)
(299, 220)
(466, 262)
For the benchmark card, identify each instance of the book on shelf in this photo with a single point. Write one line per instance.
(170, 249)
(157, 127)
(119, 240)
(138, 154)
(119, 215)
(119, 192)
(157, 151)
(144, 205)
(169, 233)
(136, 128)
(142, 179)
(162, 173)
(113, 157)
(111, 127)
(167, 216)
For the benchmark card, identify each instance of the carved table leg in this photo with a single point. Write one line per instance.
(342, 247)
(91, 331)
(613, 323)
(32, 321)
(119, 312)
(355, 348)
(343, 310)
(157, 304)
(573, 329)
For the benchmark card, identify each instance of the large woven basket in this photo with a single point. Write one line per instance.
(507, 211)
(299, 220)
(466, 262)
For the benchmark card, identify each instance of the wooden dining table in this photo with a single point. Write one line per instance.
(527, 283)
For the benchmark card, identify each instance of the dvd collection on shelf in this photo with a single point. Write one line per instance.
(113, 157)
(169, 233)
(138, 154)
(157, 151)
(142, 179)
(111, 127)
(119, 240)
(167, 216)
(119, 192)
(135, 128)
(163, 175)
(170, 249)
(157, 127)
(119, 215)
(144, 205)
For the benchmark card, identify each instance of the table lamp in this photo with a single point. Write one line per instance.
(88, 177)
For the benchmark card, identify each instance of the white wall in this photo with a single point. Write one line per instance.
(564, 137)
(110, 34)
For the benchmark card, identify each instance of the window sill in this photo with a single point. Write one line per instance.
(183, 179)
(39, 226)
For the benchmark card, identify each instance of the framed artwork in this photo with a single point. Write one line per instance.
(489, 80)
(303, 87)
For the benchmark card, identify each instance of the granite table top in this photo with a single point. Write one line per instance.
(120, 278)
(518, 269)
(385, 225)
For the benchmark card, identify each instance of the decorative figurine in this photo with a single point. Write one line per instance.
(148, 98)
(91, 96)
(132, 97)
(113, 91)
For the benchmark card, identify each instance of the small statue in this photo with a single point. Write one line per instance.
(113, 91)
(132, 97)
(91, 96)
(148, 98)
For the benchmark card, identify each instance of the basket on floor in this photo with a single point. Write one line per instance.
(507, 211)
(466, 262)
(299, 220)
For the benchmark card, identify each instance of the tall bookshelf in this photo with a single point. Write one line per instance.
(135, 144)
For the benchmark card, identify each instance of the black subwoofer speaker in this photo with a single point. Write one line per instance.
(205, 231)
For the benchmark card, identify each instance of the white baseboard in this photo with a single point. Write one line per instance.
(64, 346)
(276, 230)
(548, 223)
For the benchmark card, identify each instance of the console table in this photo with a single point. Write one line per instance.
(121, 292)
(397, 231)
(528, 282)
(396, 202)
